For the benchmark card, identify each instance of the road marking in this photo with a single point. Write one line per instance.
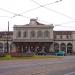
(69, 73)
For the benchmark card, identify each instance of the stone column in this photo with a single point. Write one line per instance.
(52, 47)
(28, 50)
(66, 49)
(9, 47)
(43, 49)
(59, 47)
(49, 48)
(13, 48)
(3, 48)
(22, 48)
(36, 49)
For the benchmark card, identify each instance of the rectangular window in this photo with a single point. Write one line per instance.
(54, 36)
(67, 36)
(60, 36)
(19, 34)
(33, 34)
(39, 34)
(25, 34)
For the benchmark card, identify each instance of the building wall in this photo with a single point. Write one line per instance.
(59, 37)
(56, 39)
(73, 42)
(35, 27)
(4, 40)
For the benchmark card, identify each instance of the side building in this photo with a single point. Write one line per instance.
(63, 40)
(6, 40)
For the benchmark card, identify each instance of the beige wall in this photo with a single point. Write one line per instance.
(73, 37)
(34, 28)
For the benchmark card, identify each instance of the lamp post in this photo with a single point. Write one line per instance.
(8, 38)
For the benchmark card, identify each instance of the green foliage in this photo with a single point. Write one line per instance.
(9, 57)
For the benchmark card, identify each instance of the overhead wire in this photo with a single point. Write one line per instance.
(62, 24)
(20, 14)
(6, 16)
(58, 13)
(53, 10)
(7, 11)
(39, 7)
(65, 26)
(15, 14)
(66, 22)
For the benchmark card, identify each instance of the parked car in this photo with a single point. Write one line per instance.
(42, 53)
(60, 53)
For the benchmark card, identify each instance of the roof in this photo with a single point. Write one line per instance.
(62, 32)
(5, 33)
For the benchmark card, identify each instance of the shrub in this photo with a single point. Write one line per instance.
(21, 54)
(2, 54)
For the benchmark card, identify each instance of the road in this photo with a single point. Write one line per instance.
(60, 66)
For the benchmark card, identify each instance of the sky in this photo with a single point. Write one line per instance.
(60, 13)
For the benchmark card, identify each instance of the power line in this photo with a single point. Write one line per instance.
(66, 22)
(53, 10)
(5, 16)
(59, 13)
(7, 11)
(15, 14)
(45, 4)
(27, 10)
(65, 26)
(39, 7)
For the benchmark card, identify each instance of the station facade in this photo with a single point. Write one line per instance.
(37, 37)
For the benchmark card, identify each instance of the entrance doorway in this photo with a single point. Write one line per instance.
(69, 48)
(56, 47)
(63, 47)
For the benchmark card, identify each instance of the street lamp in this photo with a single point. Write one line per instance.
(8, 38)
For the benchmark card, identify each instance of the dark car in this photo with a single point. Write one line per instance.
(42, 53)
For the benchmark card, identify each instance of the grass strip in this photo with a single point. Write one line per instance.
(9, 57)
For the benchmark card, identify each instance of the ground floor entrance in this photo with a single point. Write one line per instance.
(67, 48)
(34, 47)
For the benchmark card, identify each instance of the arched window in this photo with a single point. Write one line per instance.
(25, 34)
(63, 47)
(56, 47)
(46, 34)
(69, 48)
(32, 33)
(19, 34)
(39, 34)
(1, 47)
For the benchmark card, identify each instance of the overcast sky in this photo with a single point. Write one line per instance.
(59, 13)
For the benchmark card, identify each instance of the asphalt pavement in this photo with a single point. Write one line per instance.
(60, 66)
